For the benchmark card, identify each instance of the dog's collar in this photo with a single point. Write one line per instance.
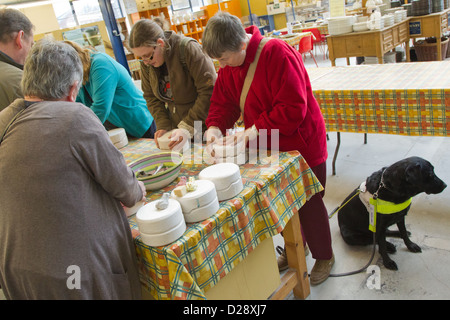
(383, 206)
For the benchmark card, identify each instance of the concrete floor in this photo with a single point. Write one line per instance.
(421, 275)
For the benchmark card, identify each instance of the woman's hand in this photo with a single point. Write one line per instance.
(241, 137)
(144, 191)
(212, 136)
(178, 138)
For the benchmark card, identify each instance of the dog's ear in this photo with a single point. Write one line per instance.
(413, 171)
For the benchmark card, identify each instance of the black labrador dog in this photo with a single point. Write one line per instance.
(395, 184)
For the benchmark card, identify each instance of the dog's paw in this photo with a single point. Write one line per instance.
(413, 247)
(390, 248)
(390, 264)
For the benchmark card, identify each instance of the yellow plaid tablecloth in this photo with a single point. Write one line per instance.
(210, 249)
(400, 98)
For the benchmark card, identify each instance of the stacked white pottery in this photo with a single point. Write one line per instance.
(226, 178)
(160, 227)
(234, 154)
(360, 26)
(340, 25)
(400, 15)
(199, 204)
(388, 20)
(118, 137)
(375, 21)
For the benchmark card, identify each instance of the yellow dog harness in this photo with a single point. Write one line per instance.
(375, 205)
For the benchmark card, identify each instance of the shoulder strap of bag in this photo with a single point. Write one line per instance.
(250, 74)
(183, 43)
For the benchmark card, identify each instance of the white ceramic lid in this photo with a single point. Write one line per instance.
(221, 174)
(204, 194)
(164, 238)
(230, 192)
(117, 135)
(153, 221)
(202, 213)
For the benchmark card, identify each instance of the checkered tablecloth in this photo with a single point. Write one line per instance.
(400, 98)
(209, 250)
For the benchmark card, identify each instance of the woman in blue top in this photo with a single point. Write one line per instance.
(110, 92)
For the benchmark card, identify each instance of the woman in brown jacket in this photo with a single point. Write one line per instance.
(177, 79)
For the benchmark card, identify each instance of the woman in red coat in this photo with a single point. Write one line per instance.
(280, 98)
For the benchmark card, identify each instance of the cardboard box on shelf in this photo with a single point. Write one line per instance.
(155, 5)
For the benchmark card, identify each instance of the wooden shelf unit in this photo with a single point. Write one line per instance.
(147, 14)
(193, 29)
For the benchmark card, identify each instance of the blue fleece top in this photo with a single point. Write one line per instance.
(112, 95)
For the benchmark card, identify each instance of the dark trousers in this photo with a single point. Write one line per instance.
(150, 134)
(314, 220)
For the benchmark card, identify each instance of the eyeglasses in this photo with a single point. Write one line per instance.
(144, 59)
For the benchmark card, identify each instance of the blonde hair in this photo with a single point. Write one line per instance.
(85, 57)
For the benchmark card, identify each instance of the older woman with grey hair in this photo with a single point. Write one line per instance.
(175, 72)
(280, 100)
(70, 238)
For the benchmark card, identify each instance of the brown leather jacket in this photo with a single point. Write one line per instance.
(192, 86)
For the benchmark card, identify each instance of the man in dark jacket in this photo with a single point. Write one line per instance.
(16, 39)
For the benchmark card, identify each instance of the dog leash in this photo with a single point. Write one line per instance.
(375, 196)
(343, 205)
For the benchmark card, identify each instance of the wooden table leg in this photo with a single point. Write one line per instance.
(296, 278)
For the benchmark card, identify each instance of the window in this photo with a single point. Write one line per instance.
(74, 13)
(187, 5)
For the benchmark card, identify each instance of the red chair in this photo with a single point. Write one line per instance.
(320, 39)
(305, 46)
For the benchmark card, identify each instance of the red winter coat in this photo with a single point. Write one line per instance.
(280, 97)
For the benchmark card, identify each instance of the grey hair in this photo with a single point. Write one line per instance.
(11, 22)
(50, 70)
(223, 32)
(145, 33)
